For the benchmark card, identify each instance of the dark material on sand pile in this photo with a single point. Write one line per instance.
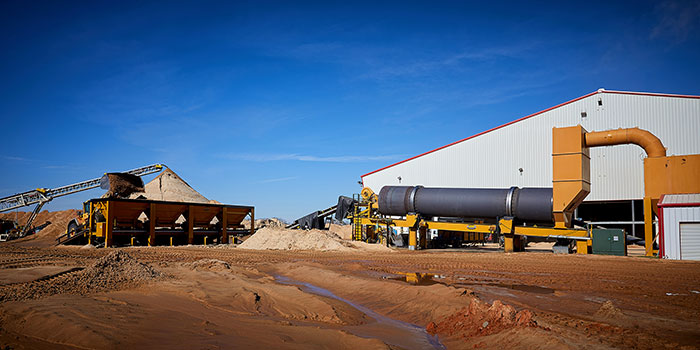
(121, 185)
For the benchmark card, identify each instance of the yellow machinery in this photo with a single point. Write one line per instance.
(117, 221)
(662, 174)
(570, 186)
(126, 181)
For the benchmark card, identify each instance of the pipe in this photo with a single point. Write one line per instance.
(651, 144)
(526, 204)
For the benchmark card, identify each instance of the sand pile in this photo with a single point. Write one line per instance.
(283, 239)
(208, 265)
(609, 310)
(269, 238)
(344, 231)
(47, 236)
(168, 186)
(115, 271)
(480, 319)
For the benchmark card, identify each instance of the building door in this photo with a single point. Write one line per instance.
(690, 240)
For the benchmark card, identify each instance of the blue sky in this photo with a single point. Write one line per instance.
(283, 106)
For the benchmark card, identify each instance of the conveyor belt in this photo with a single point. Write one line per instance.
(69, 237)
(320, 214)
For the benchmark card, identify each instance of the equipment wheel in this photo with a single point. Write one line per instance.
(72, 228)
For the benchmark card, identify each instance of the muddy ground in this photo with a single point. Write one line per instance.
(220, 298)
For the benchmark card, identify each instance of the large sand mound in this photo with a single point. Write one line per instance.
(47, 236)
(168, 186)
(269, 238)
(283, 239)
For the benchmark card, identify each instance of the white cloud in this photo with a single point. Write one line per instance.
(279, 179)
(19, 159)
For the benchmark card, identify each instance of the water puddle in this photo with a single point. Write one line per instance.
(426, 279)
(388, 330)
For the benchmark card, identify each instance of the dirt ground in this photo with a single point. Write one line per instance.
(225, 297)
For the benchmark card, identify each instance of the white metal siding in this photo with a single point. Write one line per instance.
(492, 160)
(690, 240)
(672, 218)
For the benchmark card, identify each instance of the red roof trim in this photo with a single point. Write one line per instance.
(530, 116)
(668, 205)
(649, 94)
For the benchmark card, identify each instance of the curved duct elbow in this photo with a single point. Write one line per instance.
(651, 144)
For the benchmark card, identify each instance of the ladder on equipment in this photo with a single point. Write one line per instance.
(356, 222)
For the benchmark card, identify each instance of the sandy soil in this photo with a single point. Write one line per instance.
(209, 298)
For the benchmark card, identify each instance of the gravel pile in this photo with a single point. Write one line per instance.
(116, 271)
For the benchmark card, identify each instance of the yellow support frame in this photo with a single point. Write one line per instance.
(507, 229)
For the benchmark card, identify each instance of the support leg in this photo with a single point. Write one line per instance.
(581, 247)
(512, 243)
(109, 225)
(648, 227)
(152, 225)
(252, 221)
(224, 224)
(508, 244)
(190, 225)
(412, 238)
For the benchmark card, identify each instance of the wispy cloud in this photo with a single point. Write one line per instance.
(677, 20)
(17, 159)
(310, 158)
(279, 179)
(445, 62)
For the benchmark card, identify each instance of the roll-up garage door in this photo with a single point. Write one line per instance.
(690, 240)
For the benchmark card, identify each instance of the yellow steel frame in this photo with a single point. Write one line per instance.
(414, 224)
(505, 226)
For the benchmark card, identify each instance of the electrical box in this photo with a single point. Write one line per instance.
(609, 241)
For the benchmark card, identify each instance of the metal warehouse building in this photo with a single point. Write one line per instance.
(519, 153)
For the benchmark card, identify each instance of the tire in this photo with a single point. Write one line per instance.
(72, 228)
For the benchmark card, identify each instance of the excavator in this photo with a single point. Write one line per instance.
(119, 184)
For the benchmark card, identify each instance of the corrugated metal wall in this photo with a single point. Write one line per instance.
(673, 216)
(493, 160)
